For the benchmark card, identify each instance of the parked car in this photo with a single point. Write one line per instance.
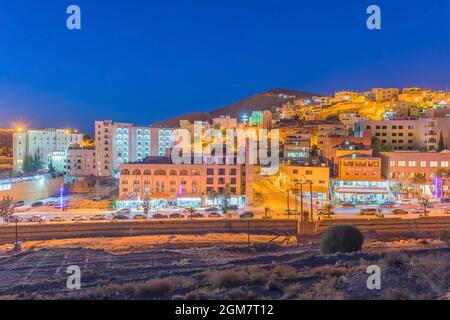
(15, 219)
(215, 215)
(198, 215)
(99, 216)
(124, 211)
(58, 219)
(406, 201)
(389, 204)
(370, 211)
(348, 205)
(37, 204)
(19, 204)
(417, 211)
(60, 205)
(211, 209)
(139, 216)
(51, 204)
(37, 219)
(399, 211)
(247, 215)
(159, 216)
(176, 215)
(121, 217)
(79, 218)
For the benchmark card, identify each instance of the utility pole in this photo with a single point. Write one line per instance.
(311, 196)
(288, 203)
(301, 198)
(17, 237)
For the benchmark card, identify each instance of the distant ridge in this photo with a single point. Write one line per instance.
(258, 102)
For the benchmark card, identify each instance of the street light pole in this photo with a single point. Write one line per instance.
(310, 194)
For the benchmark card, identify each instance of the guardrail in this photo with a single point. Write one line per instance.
(389, 225)
(48, 231)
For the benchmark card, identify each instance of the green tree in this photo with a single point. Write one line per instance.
(146, 205)
(37, 164)
(51, 167)
(441, 145)
(213, 196)
(28, 164)
(378, 146)
(224, 197)
(314, 151)
(7, 208)
(425, 204)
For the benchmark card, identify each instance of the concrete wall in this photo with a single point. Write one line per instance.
(34, 190)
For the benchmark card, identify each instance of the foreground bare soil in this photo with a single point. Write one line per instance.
(223, 266)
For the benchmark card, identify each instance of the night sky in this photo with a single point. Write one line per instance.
(144, 61)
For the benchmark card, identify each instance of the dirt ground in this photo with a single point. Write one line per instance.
(223, 266)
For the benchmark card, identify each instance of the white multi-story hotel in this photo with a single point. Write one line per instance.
(117, 143)
(41, 143)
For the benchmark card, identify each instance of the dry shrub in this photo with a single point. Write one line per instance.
(324, 290)
(198, 295)
(393, 260)
(274, 285)
(240, 294)
(225, 278)
(164, 287)
(114, 290)
(431, 272)
(291, 291)
(258, 274)
(285, 272)
(330, 271)
(444, 236)
(402, 294)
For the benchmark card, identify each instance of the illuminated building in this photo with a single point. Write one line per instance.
(409, 134)
(41, 144)
(225, 122)
(164, 182)
(407, 168)
(117, 143)
(360, 180)
(80, 162)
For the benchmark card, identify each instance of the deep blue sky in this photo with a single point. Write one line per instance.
(144, 61)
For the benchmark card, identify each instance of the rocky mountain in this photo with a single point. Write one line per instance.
(258, 102)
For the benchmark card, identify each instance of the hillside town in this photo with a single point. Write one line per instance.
(382, 148)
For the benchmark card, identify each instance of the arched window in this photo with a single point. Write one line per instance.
(147, 172)
(136, 172)
(173, 172)
(160, 172)
(184, 173)
(125, 172)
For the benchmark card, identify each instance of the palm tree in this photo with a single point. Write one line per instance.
(328, 209)
(213, 196)
(146, 205)
(7, 208)
(418, 179)
(191, 211)
(266, 211)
